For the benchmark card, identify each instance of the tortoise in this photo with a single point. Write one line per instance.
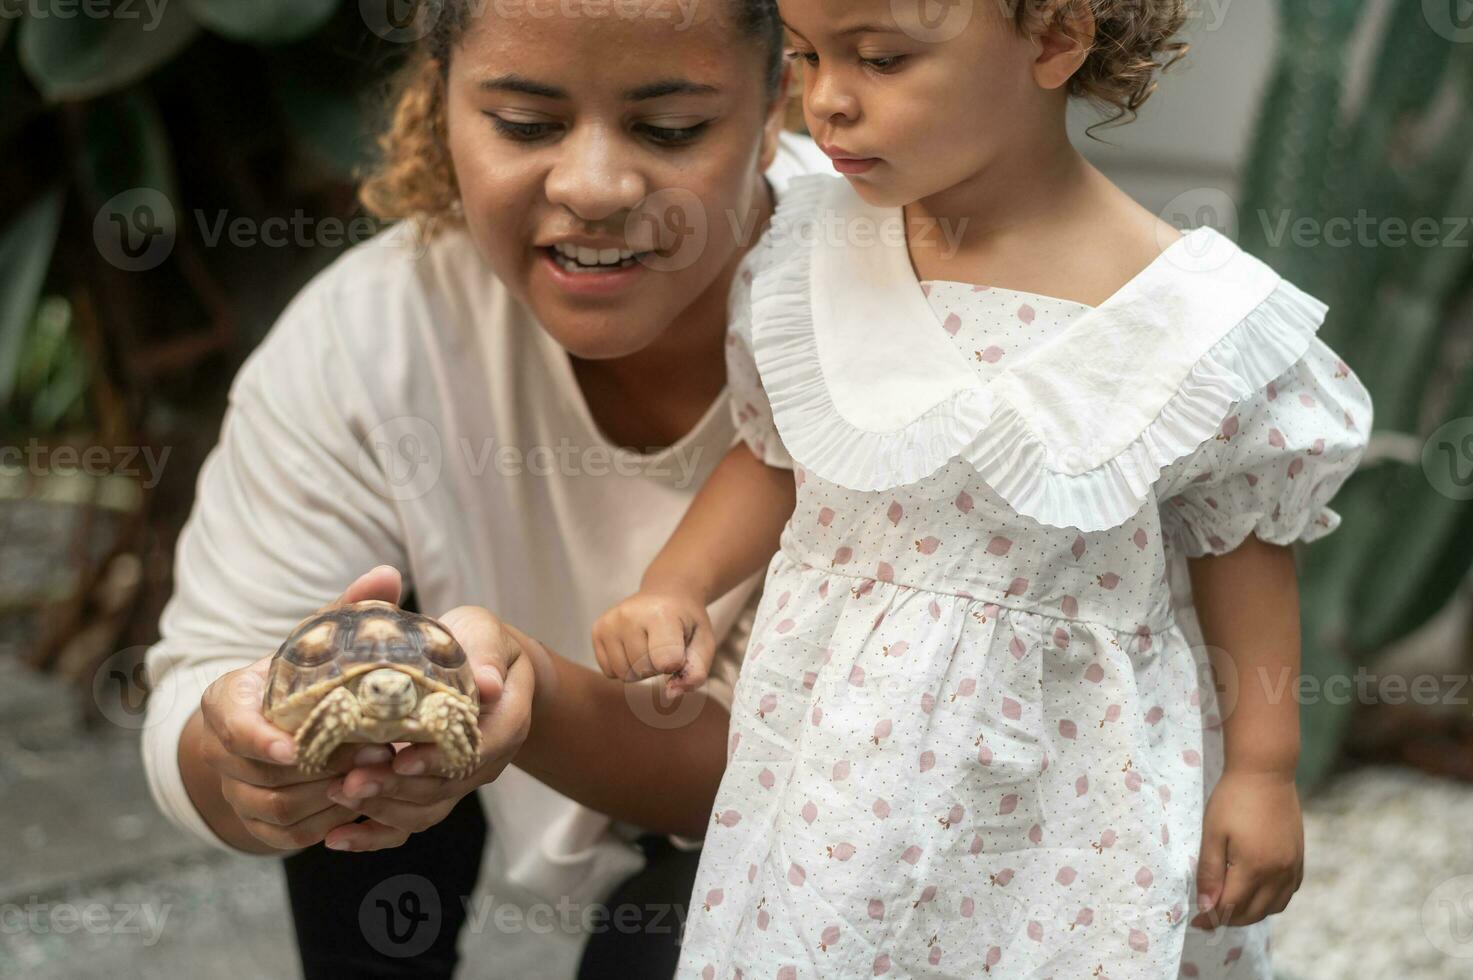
(372, 672)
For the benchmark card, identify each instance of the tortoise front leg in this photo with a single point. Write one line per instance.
(335, 718)
(451, 721)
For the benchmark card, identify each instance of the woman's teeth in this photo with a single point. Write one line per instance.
(578, 258)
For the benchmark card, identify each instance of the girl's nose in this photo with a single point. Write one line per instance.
(827, 99)
(595, 176)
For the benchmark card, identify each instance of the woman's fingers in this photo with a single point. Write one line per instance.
(489, 647)
(303, 833)
(370, 835)
(267, 774)
(231, 707)
(503, 727)
(379, 582)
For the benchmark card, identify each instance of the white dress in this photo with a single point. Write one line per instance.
(974, 732)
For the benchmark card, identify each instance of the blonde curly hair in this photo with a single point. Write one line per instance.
(1135, 40)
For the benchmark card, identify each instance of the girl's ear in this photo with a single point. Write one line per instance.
(777, 115)
(1064, 43)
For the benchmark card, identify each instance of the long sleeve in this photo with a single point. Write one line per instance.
(291, 505)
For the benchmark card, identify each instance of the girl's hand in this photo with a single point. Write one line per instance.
(404, 797)
(1252, 857)
(662, 631)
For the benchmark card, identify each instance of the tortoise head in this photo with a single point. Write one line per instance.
(387, 694)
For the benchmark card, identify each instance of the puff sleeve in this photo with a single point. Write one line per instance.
(750, 409)
(1277, 459)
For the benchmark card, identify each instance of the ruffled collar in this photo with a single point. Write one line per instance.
(868, 391)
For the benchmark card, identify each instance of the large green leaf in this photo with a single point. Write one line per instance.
(126, 146)
(84, 56)
(263, 21)
(25, 255)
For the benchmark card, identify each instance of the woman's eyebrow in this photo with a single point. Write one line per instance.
(669, 86)
(519, 83)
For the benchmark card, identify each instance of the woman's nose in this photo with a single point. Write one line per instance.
(595, 176)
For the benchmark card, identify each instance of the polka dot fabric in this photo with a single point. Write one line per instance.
(967, 744)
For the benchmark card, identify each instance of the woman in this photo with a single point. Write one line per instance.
(453, 405)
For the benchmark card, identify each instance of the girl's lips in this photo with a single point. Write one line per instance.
(848, 166)
(601, 283)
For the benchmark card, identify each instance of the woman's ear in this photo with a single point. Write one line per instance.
(1063, 42)
(777, 115)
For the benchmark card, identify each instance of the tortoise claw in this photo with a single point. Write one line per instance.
(325, 729)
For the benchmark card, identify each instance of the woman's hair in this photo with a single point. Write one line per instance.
(1134, 42)
(414, 177)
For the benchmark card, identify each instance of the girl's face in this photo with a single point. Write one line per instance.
(606, 135)
(923, 104)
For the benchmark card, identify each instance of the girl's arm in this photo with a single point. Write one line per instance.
(730, 531)
(1252, 858)
(1248, 605)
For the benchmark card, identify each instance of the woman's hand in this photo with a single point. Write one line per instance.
(229, 740)
(1252, 857)
(406, 797)
(657, 630)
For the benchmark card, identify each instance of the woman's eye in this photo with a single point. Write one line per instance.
(674, 136)
(524, 131)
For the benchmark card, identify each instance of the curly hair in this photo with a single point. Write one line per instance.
(414, 177)
(1134, 42)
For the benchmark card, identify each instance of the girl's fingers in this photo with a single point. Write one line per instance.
(665, 640)
(697, 662)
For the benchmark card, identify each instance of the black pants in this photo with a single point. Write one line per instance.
(398, 912)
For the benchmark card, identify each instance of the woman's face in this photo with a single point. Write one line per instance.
(606, 135)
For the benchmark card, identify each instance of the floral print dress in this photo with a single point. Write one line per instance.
(975, 727)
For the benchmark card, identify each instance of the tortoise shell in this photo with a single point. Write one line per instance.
(329, 649)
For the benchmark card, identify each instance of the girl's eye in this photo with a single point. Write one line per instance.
(523, 131)
(674, 136)
(809, 56)
(884, 64)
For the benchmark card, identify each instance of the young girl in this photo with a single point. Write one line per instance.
(976, 730)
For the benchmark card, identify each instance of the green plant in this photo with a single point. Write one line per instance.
(172, 120)
(1393, 151)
